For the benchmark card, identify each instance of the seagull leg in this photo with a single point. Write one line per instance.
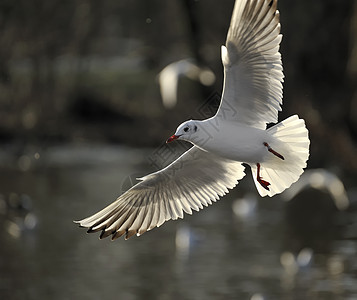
(273, 151)
(262, 182)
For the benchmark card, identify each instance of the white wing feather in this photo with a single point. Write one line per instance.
(192, 181)
(253, 73)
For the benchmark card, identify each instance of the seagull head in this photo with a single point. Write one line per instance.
(185, 131)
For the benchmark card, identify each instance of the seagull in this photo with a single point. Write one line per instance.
(170, 75)
(235, 137)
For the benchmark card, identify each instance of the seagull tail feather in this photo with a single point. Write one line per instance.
(291, 140)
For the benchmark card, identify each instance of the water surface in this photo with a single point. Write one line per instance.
(268, 249)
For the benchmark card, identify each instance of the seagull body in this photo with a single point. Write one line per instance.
(230, 140)
(251, 99)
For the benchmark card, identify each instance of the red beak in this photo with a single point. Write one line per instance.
(172, 138)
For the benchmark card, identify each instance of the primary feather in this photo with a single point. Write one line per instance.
(194, 180)
(253, 72)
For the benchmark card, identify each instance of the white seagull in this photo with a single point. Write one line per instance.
(170, 75)
(251, 99)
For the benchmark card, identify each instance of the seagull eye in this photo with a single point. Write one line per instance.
(185, 129)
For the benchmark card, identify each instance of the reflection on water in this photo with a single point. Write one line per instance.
(242, 247)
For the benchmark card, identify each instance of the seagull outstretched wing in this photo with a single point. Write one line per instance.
(191, 182)
(253, 72)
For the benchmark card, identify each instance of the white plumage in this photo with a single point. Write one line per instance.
(252, 98)
(194, 180)
(253, 72)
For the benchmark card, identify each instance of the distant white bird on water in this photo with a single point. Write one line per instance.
(252, 97)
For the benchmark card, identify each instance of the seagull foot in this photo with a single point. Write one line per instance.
(273, 151)
(263, 183)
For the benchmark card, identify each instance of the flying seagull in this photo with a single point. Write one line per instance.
(251, 99)
(170, 75)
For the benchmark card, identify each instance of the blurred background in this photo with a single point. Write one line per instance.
(89, 92)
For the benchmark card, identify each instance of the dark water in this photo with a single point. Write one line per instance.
(268, 249)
